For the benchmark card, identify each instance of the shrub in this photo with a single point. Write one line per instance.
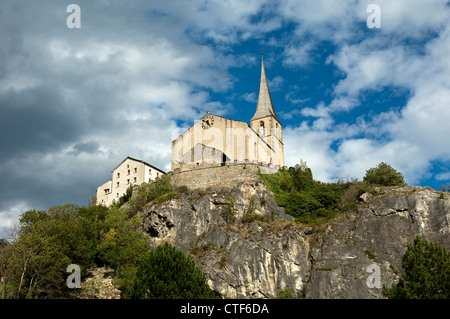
(149, 192)
(308, 201)
(384, 175)
(426, 273)
(167, 273)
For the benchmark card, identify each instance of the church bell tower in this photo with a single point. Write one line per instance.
(265, 121)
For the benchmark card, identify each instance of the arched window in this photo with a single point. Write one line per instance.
(262, 131)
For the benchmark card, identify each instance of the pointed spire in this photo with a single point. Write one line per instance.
(264, 107)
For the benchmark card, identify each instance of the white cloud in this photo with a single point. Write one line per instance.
(408, 138)
(250, 97)
(443, 176)
(312, 146)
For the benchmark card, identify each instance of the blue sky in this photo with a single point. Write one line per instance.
(75, 102)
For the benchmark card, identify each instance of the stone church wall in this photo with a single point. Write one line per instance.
(226, 176)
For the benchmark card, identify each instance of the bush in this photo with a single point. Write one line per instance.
(426, 274)
(384, 175)
(167, 273)
(308, 201)
(149, 192)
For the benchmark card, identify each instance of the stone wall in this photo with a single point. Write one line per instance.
(225, 176)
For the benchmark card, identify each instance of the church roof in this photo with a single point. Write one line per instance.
(264, 107)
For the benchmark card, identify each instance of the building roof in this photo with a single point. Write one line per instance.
(140, 161)
(264, 107)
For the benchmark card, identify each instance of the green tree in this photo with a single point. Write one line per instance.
(302, 177)
(426, 273)
(121, 244)
(47, 244)
(167, 273)
(384, 175)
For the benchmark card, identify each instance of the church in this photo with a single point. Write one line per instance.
(215, 151)
(216, 141)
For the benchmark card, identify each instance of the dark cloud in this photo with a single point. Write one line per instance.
(87, 147)
(35, 121)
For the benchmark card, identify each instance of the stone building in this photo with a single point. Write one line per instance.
(215, 141)
(129, 172)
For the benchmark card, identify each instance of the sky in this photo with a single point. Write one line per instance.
(74, 102)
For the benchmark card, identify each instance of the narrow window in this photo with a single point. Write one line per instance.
(117, 184)
(118, 175)
(135, 170)
(261, 129)
(135, 179)
(128, 172)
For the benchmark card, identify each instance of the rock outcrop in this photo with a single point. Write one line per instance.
(270, 253)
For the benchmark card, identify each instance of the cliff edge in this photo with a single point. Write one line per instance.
(264, 252)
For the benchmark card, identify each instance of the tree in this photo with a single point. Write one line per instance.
(167, 273)
(302, 176)
(122, 244)
(384, 175)
(426, 274)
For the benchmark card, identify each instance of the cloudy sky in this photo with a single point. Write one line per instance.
(74, 102)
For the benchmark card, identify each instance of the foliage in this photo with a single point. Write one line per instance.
(291, 294)
(121, 244)
(124, 198)
(34, 265)
(426, 273)
(49, 241)
(148, 192)
(384, 175)
(167, 273)
(303, 198)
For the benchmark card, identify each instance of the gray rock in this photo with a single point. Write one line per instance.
(259, 259)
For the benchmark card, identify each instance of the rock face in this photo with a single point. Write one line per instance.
(270, 253)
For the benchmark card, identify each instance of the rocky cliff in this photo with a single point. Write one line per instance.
(270, 253)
